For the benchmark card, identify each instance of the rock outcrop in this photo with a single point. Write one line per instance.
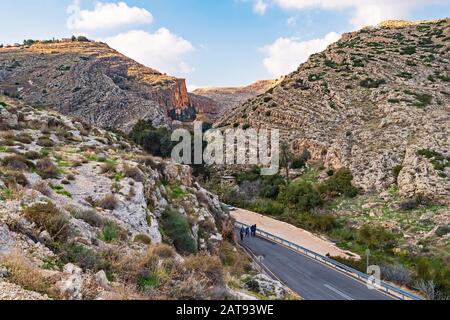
(376, 102)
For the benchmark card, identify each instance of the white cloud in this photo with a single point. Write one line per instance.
(365, 12)
(260, 7)
(106, 15)
(286, 54)
(161, 50)
(192, 87)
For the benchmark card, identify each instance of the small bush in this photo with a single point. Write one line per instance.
(42, 187)
(24, 138)
(46, 216)
(443, 230)
(108, 167)
(163, 251)
(134, 173)
(179, 231)
(80, 255)
(109, 202)
(91, 217)
(371, 83)
(143, 238)
(398, 274)
(16, 162)
(112, 231)
(211, 267)
(376, 237)
(45, 142)
(47, 169)
(32, 155)
(14, 178)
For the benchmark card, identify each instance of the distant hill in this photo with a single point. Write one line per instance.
(92, 81)
(376, 102)
(218, 101)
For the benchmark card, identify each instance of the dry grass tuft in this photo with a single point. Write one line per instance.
(24, 274)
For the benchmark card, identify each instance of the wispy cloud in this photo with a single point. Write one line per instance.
(260, 7)
(161, 50)
(286, 54)
(364, 12)
(106, 15)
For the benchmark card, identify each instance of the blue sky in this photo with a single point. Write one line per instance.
(210, 42)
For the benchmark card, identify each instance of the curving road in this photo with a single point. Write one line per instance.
(311, 279)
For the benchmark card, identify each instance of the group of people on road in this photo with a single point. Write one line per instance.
(247, 232)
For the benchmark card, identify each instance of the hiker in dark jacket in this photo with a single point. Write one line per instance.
(253, 230)
(242, 232)
(247, 232)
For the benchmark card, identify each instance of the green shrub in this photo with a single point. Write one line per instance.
(422, 99)
(371, 83)
(112, 231)
(268, 207)
(302, 195)
(396, 171)
(408, 50)
(376, 237)
(339, 184)
(80, 255)
(300, 161)
(155, 141)
(443, 230)
(177, 228)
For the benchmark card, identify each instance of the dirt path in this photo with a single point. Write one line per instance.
(293, 234)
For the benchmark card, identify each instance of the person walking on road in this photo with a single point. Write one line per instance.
(253, 231)
(242, 232)
(247, 232)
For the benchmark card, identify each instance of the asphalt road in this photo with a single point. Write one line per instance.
(311, 279)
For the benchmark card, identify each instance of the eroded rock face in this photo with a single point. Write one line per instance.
(370, 102)
(91, 81)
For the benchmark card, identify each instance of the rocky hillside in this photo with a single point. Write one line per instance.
(376, 102)
(215, 102)
(85, 214)
(91, 81)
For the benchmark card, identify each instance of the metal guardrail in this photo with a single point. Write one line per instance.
(383, 286)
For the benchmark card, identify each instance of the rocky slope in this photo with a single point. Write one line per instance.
(91, 81)
(85, 214)
(376, 102)
(215, 102)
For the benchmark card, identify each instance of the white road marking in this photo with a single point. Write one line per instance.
(338, 292)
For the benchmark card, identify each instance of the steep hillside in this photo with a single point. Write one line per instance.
(215, 102)
(91, 81)
(376, 102)
(85, 214)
